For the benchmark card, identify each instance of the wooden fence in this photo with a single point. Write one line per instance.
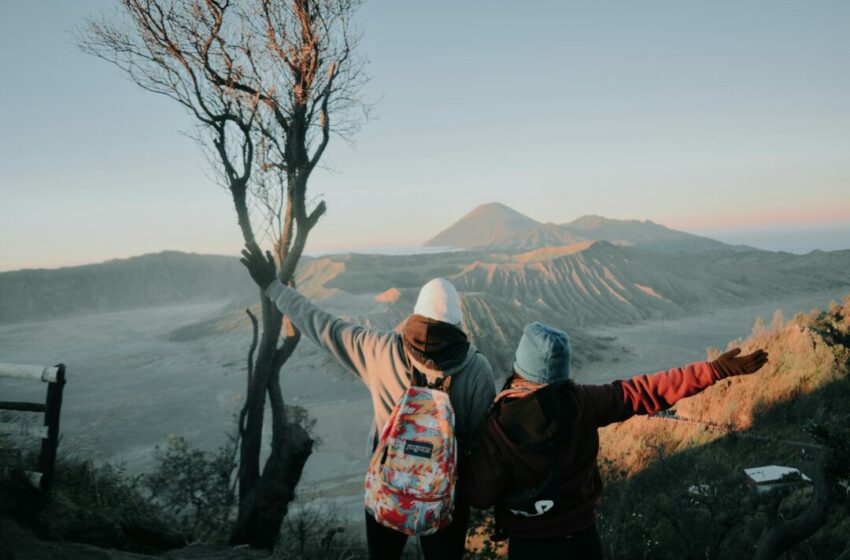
(54, 376)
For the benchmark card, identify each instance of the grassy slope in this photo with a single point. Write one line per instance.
(647, 507)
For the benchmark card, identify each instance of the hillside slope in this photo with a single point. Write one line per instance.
(150, 280)
(603, 284)
(710, 438)
(573, 287)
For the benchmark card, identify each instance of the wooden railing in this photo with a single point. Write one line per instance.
(54, 376)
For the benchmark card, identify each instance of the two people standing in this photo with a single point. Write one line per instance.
(530, 451)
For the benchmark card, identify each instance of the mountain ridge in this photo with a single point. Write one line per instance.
(586, 285)
(164, 278)
(495, 226)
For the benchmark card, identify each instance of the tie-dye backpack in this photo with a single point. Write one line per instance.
(410, 484)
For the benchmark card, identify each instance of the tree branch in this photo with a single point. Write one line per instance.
(251, 349)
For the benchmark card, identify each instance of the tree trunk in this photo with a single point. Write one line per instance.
(265, 505)
(276, 488)
(251, 433)
(264, 498)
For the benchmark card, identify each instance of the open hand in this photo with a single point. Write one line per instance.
(732, 363)
(261, 268)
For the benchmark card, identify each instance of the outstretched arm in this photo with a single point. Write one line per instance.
(648, 394)
(358, 349)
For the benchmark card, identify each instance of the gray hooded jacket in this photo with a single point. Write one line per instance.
(378, 358)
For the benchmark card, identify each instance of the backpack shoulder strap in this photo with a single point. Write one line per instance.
(442, 383)
(416, 377)
(419, 379)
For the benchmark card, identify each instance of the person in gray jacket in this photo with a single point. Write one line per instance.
(431, 342)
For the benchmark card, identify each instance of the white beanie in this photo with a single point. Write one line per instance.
(438, 300)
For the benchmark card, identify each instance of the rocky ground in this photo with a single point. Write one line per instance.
(18, 543)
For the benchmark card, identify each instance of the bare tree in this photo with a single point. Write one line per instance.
(268, 82)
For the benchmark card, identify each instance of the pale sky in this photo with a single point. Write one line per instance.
(718, 117)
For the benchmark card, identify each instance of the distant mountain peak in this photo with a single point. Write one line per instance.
(501, 212)
(485, 226)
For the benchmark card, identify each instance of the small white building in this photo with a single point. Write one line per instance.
(770, 477)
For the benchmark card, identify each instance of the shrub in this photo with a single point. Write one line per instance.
(313, 531)
(195, 487)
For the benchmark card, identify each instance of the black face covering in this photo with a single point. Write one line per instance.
(434, 344)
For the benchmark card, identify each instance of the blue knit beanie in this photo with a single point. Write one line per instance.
(543, 354)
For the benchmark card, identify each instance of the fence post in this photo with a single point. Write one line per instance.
(47, 457)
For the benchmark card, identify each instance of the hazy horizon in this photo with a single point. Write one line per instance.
(797, 240)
